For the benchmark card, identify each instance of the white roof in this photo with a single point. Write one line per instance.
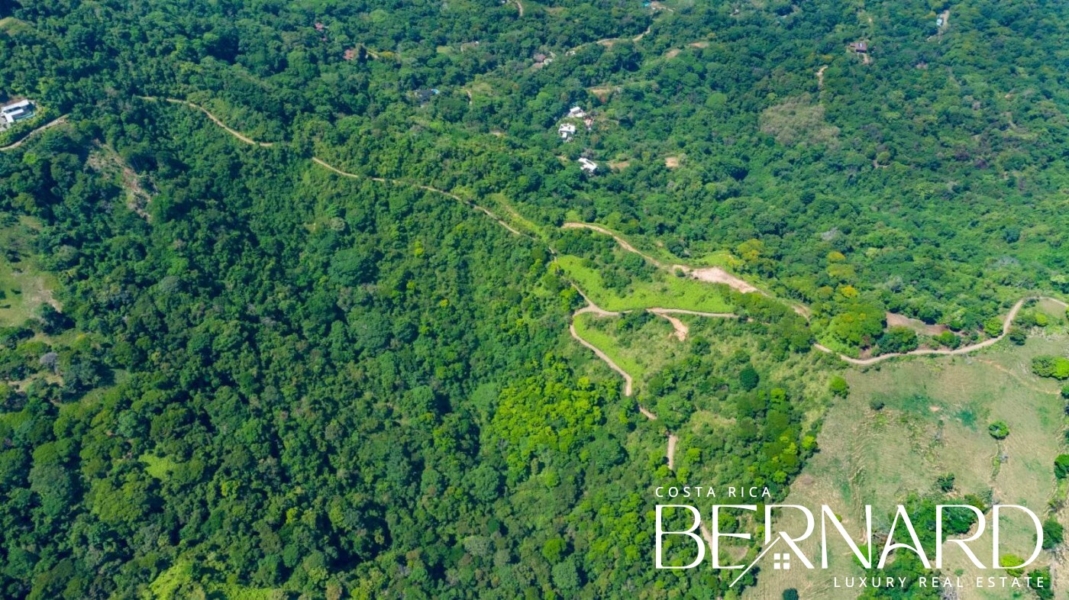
(566, 127)
(587, 165)
(16, 106)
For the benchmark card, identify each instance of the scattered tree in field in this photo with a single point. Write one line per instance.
(1053, 533)
(1061, 466)
(1051, 366)
(839, 386)
(998, 430)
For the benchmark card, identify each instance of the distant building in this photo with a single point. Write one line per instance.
(565, 130)
(576, 113)
(860, 47)
(425, 95)
(17, 111)
(588, 165)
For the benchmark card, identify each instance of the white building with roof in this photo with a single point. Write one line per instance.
(16, 111)
(588, 165)
(566, 130)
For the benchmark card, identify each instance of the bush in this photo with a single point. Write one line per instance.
(1018, 336)
(998, 430)
(790, 594)
(876, 404)
(1065, 392)
(1051, 366)
(749, 378)
(945, 482)
(948, 339)
(1053, 534)
(1061, 466)
(993, 327)
(839, 386)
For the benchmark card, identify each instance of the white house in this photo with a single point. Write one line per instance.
(576, 113)
(16, 111)
(588, 165)
(565, 130)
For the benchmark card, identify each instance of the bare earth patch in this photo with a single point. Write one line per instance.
(718, 275)
(671, 162)
(896, 320)
(681, 329)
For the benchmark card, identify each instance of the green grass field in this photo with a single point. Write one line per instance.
(595, 333)
(666, 292)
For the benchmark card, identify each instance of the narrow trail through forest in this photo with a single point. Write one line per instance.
(672, 440)
(52, 123)
(244, 138)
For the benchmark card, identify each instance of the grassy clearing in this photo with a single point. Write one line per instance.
(665, 291)
(934, 422)
(587, 327)
(23, 286)
(157, 466)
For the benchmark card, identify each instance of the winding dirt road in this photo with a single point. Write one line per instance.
(52, 123)
(244, 138)
(215, 119)
(1006, 323)
(712, 274)
(672, 441)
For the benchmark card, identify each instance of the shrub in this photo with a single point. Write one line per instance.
(1018, 336)
(998, 430)
(1065, 392)
(993, 327)
(1053, 534)
(876, 404)
(790, 594)
(945, 482)
(749, 378)
(1051, 366)
(839, 386)
(1061, 466)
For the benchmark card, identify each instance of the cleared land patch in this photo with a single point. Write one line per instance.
(933, 422)
(665, 291)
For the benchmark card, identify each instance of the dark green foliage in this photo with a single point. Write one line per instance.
(1061, 466)
(790, 594)
(945, 483)
(749, 378)
(898, 339)
(998, 430)
(1053, 533)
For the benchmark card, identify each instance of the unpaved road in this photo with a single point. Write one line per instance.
(1006, 323)
(604, 357)
(672, 440)
(706, 274)
(215, 119)
(681, 329)
(52, 123)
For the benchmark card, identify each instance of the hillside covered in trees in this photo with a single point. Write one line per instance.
(308, 330)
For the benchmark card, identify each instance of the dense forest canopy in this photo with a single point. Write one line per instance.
(262, 376)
